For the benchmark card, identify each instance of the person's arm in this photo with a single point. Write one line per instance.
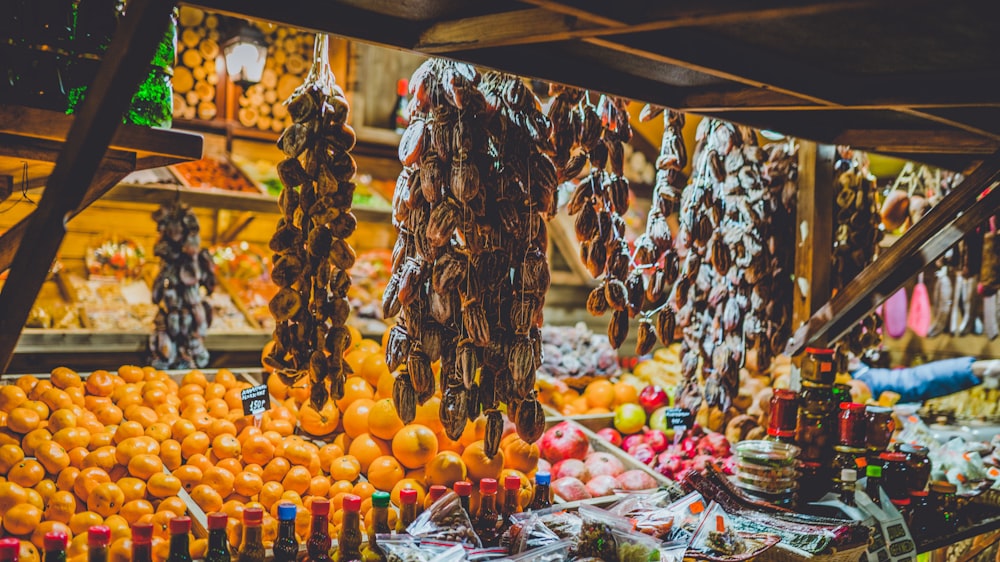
(923, 382)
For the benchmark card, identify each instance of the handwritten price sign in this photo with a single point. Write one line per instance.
(256, 400)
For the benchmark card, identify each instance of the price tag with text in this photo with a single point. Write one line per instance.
(679, 417)
(256, 400)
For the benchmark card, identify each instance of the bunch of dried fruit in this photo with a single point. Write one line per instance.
(780, 175)
(470, 271)
(312, 256)
(582, 133)
(183, 313)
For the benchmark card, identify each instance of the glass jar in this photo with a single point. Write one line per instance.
(813, 436)
(816, 399)
(784, 414)
(880, 427)
(944, 501)
(841, 394)
(850, 458)
(903, 505)
(814, 481)
(918, 464)
(921, 517)
(852, 425)
(895, 475)
(818, 366)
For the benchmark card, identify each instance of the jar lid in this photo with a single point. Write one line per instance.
(287, 511)
(849, 475)
(852, 406)
(408, 496)
(512, 482)
(252, 516)
(901, 502)
(878, 410)
(220, 520)
(464, 488)
(819, 351)
(320, 507)
(9, 548)
(437, 490)
(487, 486)
(892, 457)
(874, 471)
(911, 448)
(542, 477)
(785, 394)
(919, 493)
(849, 450)
(943, 487)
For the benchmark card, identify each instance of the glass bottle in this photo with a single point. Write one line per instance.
(319, 542)
(902, 505)
(895, 475)
(99, 537)
(543, 493)
(944, 501)
(872, 487)
(487, 518)
(921, 516)
(408, 509)
(879, 428)
(464, 490)
(286, 546)
(142, 542)
(380, 526)
(349, 542)
(784, 415)
(218, 542)
(400, 118)
(180, 549)
(511, 491)
(434, 493)
(918, 465)
(852, 425)
(848, 484)
(10, 549)
(252, 547)
(55, 546)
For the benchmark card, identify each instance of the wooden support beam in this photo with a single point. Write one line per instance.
(915, 142)
(972, 202)
(814, 231)
(6, 187)
(124, 64)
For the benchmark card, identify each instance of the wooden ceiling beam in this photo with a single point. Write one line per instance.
(917, 142)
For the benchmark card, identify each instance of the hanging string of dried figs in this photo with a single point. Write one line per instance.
(470, 271)
(600, 199)
(312, 256)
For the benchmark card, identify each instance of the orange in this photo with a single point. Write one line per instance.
(327, 453)
(384, 388)
(181, 428)
(428, 414)
(99, 383)
(62, 377)
(190, 476)
(38, 535)
(373, 368)
(408, 484)
(277, 388)
(76, 395)
(625, 393)
(364, 490)
(61, 419)
(163, 485)
(131, 373)
(72, 437)
(174, 505)
(87, 420)
(319, 486)
(220, 480)
(257, 449)
(296, 451)
(366, 448)
(52, 456)
(83, 521)
(10, 455)
(109, 415)
(282, 427)
(26, 383)
(341, 487)
(297, 479)
(66, 479)
(221, 427)
(319, 422)
(384, 472)
(144, 415)
(77, 456)
(383, 421)
(61, 506)
(132, 488)
(479, 465)
(214, 390)
(276, 469)
(34, 498)
(26, 473)
(232, 465)
(600, 394)
(355, 388)
(106, 499)
(226, 378)
(159, 431)
(135, 509)
(46, 488)
(519, 454)
(87, 480)
(56, 399)
(207, 498)
(34, 439)
(11, 494)
(356, 417)
(11, 397)
(102, 457)
(226, 447)
(145, 466)
(270, 493)
(414, 445)
(22, 519)
(38, 406)
(248, 484)
(346, 467)
(170, 453)
(39, 388)
(445, 469)
(22, 420)
(356, 359)
(195, 443)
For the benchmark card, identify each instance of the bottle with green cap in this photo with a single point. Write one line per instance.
(873, 486)
(55, 546)
(380, 526)
(286, 546)
(218, 543)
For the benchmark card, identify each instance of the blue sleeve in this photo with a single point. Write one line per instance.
(923, 382)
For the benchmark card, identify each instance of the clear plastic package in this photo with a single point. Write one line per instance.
(445, 520)
(553, 552)
(526, 533)
(718, 540)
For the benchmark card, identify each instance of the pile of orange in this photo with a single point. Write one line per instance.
(599, 397)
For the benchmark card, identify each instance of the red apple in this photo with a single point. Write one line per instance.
(658, 440)
(563, 441)
(603, 464)
(669, 464)
(570, 468)
(653, 397)
(610, 435)
(643, 453)
(631, 441)
(570, 489)
(714, 444)
(603, 485)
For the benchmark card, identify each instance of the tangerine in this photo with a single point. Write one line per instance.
(479, 465)
(26, 473)
(61, 507)
(356, 417)
(207, 498)
(105, 499)
(366, 448)
(22, 519)
(384, 472)
(414, 445)
(383, 420)
(297, 479)
(600, 394)
(445, 469)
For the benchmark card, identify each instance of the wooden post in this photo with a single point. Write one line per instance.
(124, 64)
(814, 231)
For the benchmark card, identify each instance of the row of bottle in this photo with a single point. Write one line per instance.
(927, 513)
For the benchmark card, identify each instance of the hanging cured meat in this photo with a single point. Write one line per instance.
(312, 256)
(470, 271)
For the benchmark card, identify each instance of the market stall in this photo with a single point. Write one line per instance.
(592, 287)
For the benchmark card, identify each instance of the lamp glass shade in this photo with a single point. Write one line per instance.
(245, 61)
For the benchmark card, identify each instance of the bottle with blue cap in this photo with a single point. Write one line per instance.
(543, 492)
(286, 546)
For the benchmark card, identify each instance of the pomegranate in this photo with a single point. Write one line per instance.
(563, 441)
(669, 464)
(701, 461)
(603, 485)
(571, 489)
(611, 436)
(570, 468)
(713, 444)
(658, 440)
(636, 480)
(653, 397)
(642, 453)
(631, 441)
(603, 464)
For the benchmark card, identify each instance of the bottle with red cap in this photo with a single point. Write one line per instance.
(252, 548)
(218, 542)
(319, 542)
(54, 543)
(10, 549)
(487, 518)
(286, 546)
(142, 542)
(407, 509)
(98, 539)
(434, 493)
(180, 547)
(464, 490)
(349, 541)
(511, 504)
